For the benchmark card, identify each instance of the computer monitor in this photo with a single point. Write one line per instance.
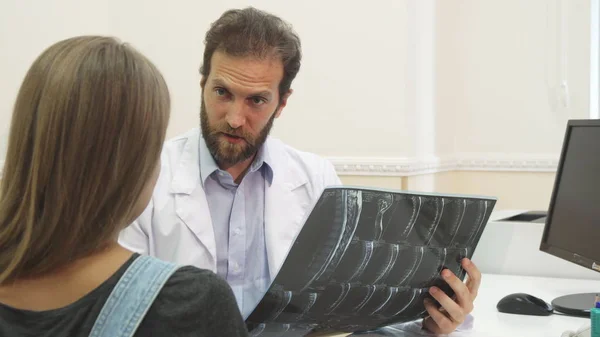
(572, 229)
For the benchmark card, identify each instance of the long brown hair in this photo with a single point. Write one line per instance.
(87, 129)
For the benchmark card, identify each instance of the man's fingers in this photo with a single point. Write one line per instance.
(463, 295)
(438, 322)
(474, 277)
(452, 313)
(455, 311)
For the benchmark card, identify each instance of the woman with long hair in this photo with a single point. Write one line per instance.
(83, 157)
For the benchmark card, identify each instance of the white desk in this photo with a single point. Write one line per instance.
(489, 322)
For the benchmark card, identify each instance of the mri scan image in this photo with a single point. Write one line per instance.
(366, 258)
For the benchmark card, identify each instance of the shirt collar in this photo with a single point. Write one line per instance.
(208, 165)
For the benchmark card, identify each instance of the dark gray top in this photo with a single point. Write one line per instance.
(193, 302)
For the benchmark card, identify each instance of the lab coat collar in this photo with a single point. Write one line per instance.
(283, 173)
(206, 161)
(186, 176)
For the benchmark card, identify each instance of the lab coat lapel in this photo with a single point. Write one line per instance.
(191, 205)
(286, 202)
(193, 210)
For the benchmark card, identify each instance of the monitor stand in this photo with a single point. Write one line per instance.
(575, 304)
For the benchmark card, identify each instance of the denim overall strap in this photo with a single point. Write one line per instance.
(131, 298)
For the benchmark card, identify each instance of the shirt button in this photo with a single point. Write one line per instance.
(236, 231)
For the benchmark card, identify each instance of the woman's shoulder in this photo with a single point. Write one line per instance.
(196, 282)
(194, 302)
(191, 286)
(190, 276)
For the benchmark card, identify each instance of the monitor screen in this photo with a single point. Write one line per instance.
(572, 229)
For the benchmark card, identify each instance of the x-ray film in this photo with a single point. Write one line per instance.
(366, 258)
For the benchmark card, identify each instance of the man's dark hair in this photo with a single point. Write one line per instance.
(252, 32)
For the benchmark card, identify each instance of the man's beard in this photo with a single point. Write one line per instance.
(227, 154)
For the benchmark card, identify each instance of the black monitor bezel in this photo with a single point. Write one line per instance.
(573, 257)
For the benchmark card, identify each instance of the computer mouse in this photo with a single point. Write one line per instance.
(524, 304)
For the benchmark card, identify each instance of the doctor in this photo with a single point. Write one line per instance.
(231, 199)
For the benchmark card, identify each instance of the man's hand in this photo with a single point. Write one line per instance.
(452, 313)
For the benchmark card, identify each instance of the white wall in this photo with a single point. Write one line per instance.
(391, 81)
(595, 59)
(352, 75)
(26, 29)
(500, 65)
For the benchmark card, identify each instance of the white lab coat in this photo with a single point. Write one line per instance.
(176, 226)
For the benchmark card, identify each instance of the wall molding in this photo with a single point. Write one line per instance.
(406, 166)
